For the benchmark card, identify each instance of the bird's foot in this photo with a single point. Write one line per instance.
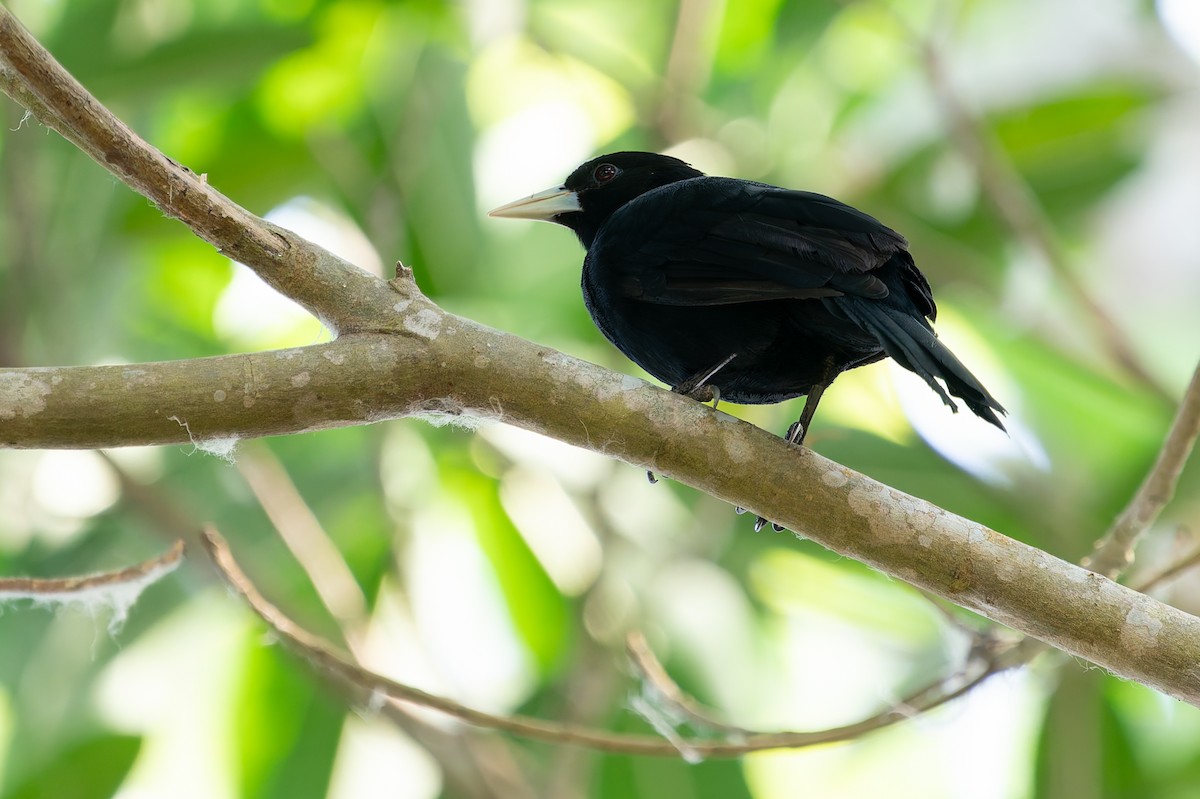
(697, 386)
(760, 522)
(695, 389)
(794, 435)
(700, 393)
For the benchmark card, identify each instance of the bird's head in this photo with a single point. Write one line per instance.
(598, 188)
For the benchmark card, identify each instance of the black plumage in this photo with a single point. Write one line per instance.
(744, 291)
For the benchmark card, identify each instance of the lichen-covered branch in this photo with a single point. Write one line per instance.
(353, 380)
(401, 355)
(116, 591)
(456, 367)
(56, 587)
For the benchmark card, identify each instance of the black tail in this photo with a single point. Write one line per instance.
(911, 342)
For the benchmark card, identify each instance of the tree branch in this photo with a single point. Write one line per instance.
(344, 297)
(353, 380)
(1114, 552)
(466, 369)
(309, 543)
(322, 656)
(1170, 571)
(1021, 211)
(656, 681)
(475, 766)
(429, 361)
(55, 588)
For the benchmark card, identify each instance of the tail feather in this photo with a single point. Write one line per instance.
(912, 343)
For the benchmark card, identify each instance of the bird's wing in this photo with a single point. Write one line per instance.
(719, 241)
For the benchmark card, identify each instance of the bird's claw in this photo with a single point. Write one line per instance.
(698, 393)
(698, 388)
(759, 521)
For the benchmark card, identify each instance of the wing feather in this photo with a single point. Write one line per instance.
(718, 241)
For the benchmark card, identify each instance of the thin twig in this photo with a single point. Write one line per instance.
(1171, 570)
(144, 572)
(471, 766)
(666, 690)
(308, 541)
(483, 768)
(689, 64)
(1114, 552)
(322, 656)
(1019, 208)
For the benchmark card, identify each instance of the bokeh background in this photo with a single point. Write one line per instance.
(504, 569)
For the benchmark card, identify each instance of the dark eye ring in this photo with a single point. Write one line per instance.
(604, 173)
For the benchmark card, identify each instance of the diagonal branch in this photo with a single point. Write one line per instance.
(689, 64)
(462, 369)
(425, 361)
(343, 296)
(666, 691)
(309, 543)
(1170, 571)
(1114, 552)
(474, 766)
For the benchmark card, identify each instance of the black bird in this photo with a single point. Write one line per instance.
(734, 290)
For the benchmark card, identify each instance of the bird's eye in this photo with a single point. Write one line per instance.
(604, 173)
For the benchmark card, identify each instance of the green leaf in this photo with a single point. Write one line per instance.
(93, 769)
(1084, 750)
(539, 612)
(288, 727)
(1075, 147)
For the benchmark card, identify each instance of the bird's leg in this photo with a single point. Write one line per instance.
(697, 388)
(797, 432)
(799, 428)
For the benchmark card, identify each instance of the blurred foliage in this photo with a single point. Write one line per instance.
(503, 569)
